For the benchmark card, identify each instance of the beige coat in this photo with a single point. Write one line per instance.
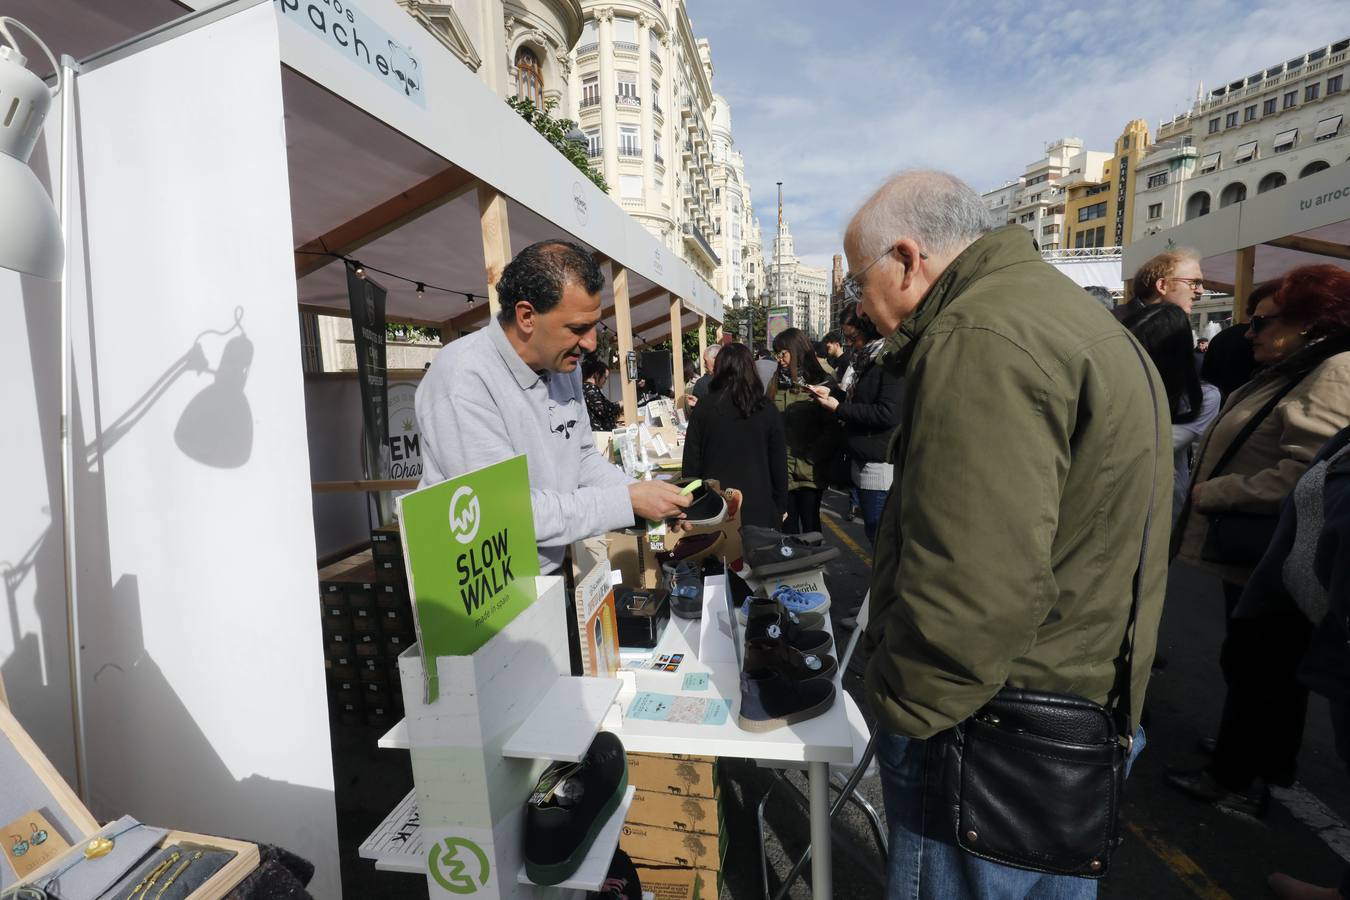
(1265, 469)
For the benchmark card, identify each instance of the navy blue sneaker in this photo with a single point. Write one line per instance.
(768, 621)
(774, 701)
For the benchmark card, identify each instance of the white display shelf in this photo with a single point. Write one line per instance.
(596, 865)
(396, 843)
(563, 724)
(396, 738)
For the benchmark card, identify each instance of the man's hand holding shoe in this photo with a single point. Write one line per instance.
(657, 500)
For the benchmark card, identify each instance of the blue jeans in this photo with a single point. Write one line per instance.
(872, 503)
(921, 868)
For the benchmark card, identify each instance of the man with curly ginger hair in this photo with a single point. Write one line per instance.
(514, 388)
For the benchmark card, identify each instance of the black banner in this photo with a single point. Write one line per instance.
(367, 302)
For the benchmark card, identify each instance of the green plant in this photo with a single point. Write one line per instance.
(399, 331)
(555, 132)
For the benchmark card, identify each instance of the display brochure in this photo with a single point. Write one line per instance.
(597, 623)
(684, 710)
(468, 544)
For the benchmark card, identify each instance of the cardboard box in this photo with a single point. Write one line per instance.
(670, 882)
(687, 776)
(697, 814)
(630, 556)
(666, 845)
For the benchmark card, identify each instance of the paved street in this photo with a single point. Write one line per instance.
(1174, 848)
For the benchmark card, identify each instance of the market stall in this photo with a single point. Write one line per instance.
(207, 156)
(1304, 222)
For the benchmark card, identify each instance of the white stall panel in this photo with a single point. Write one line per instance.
(203, 668)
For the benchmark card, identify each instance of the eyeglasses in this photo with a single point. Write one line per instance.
(853, 283)
(1259, 323)
(1195, 284)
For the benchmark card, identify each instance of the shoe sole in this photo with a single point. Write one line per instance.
(761, 725)
(556, 873)
(789, 566)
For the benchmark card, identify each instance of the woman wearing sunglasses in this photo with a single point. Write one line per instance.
(1264, 438)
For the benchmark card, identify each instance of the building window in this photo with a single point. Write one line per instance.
(1209, 163)
(1155, 210)
(1270, 182)
(1213, 125)
(1050, 229)
(1249, 113)
(1027, 217)
(529, 77)
(1125, 142)
(630, 187)
(1230, 120)
(1286, 140)
(1328, 128)
(1313, 168)
(1095, 211)
(629, 142)
(656, 92)
(1197, 206)
(1157, 180)
(1234, 193)
(625, 30)
(1245, 153)
(590, 91)
(656, 145)
(1334, 84)
(628, 89)
(593, 146)
(1290, 99)
(1268, 108)
(1310, 92)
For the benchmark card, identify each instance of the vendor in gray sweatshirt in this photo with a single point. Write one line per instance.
(515, 387)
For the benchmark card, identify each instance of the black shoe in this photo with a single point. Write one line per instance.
(1202, 785)
(569, 806)
(621, 883)
(774, 701)
(768, 655)
(684, 582)
(788, 554)
(706, 507)
(767, 620)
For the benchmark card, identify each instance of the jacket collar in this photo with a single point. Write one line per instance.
(997, 249)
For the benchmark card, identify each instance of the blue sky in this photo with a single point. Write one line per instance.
(831, 96)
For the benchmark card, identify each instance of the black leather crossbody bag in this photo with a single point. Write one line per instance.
(1033, 780)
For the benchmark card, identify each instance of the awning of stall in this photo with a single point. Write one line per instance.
(1304, 222)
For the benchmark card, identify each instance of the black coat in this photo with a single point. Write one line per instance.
(745, 453)
(871, 412)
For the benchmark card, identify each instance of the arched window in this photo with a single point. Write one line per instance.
(1198, 205)
(1313, 168)
(1271, 182)
(529, 77)
(1234, 193)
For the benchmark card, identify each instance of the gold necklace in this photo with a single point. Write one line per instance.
(179, 871)
(149, 880)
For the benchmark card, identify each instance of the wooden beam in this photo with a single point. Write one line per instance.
(338, 487)
(702, 342)
(1312, 245)
(474, 318)
(1221, 287)
(393, 213)
(1242, 282)
(496, 239)
(623, 322)
(634, 301)
(676, 350)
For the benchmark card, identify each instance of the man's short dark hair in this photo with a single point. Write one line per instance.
(540, 272)
(832, 337)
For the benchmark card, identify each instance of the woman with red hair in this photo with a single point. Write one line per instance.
(1250, 459)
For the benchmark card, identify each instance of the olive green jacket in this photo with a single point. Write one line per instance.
(807, 427)
(1028, 446)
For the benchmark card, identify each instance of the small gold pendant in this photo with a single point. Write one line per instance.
(100, 846)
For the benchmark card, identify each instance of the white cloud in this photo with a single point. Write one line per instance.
(976, 88)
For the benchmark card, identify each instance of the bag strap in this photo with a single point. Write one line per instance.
(1254, 423)
(1125, 671)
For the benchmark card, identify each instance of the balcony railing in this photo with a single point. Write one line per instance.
(585, 49)
(656, 108)
(656, 57)
(589, 101)
(658, 160)
(628, 100)
(692, 233)
(594, 151)
(628, 46)
(630, 152)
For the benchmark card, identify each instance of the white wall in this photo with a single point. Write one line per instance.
(202, 654)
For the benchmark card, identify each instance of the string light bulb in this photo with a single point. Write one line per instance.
(421, 291)
(469, 297)
(358, 270)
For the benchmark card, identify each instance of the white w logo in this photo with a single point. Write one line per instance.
(464, 523)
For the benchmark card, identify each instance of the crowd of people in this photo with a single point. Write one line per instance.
(1004, 436)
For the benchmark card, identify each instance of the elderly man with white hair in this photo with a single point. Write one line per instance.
(1028, 470)
(700, 388)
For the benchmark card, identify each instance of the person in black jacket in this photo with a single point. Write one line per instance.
(867, 405)
(736, 436)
